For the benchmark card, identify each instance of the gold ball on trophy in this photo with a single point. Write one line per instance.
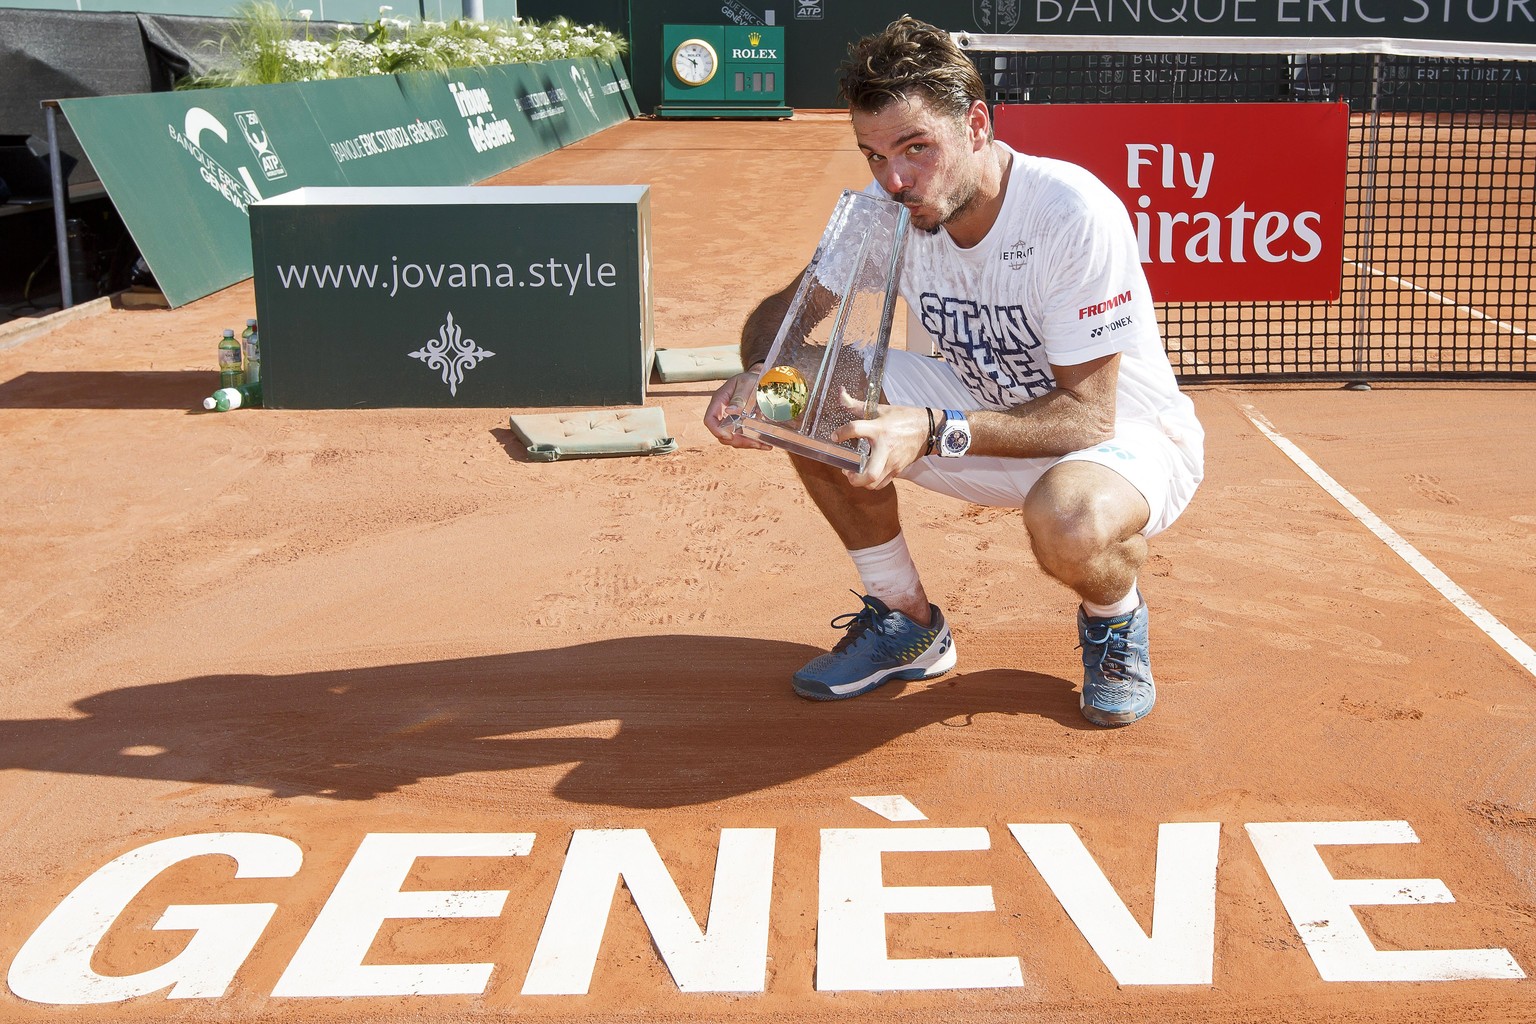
(782, 394)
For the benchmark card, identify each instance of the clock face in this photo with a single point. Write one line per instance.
(694, 62)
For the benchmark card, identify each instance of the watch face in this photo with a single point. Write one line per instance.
(694, 62)
(956, 440)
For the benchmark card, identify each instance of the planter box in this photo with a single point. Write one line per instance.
(465, 296)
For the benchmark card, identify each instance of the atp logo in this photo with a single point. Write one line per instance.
(809, 10)
(256, 137)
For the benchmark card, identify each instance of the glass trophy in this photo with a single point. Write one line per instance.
(827, 362)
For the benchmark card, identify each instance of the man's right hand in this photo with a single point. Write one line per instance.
(727, 403)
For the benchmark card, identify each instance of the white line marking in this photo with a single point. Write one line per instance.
(1480, 616)
(1501, 324)
(892, 808)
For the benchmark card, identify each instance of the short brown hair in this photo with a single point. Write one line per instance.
(908, 57)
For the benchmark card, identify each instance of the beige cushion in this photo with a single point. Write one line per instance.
(573, 435)
(682, 364)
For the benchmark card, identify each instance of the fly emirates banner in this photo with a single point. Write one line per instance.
(1230, 201)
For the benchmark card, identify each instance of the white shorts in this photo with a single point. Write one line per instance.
(1164, 472)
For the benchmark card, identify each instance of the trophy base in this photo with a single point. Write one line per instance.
(830, 452)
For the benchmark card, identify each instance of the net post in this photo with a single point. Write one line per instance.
(1365, 282)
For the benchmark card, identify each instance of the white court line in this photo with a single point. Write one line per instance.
(1501, 324)
(892, 808)
(1480, 616)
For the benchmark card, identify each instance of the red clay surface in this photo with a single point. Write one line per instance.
(321, 625)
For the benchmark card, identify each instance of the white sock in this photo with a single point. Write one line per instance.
(1127, 604)
(888, 571)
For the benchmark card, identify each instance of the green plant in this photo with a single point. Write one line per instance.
(263, 47)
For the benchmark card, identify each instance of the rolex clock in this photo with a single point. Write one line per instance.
(694, 62)
(722, 71)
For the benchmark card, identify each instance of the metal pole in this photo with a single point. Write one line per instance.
(66, 289)
(1365, 282)
(474, 10)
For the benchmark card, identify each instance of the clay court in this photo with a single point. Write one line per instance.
(317, 627)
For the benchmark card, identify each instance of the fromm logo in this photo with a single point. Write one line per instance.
(1103, 307)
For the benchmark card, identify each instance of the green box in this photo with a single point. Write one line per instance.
(747, 78)
(462, 296)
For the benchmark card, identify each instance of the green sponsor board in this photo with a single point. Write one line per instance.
(375, 135)
(491, 113)
(478, 297)
(183, 168)
(358, 11)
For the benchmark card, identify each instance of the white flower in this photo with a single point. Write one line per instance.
(306, 14)
(307, 52)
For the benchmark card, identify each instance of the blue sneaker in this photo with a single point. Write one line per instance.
(880, 644)
(1117, 668)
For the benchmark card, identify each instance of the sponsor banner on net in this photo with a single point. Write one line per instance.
(1222, 209)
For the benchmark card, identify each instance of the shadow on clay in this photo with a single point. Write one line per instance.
(644, 722)
(109, 389)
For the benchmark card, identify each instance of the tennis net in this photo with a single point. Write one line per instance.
(1440, 199)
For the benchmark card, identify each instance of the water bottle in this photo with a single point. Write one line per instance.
(250, 341)
(231, 372)
(226, 399)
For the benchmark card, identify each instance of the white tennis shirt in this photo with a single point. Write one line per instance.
(1057, 280)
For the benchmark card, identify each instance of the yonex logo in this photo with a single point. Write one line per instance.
(1103, 307)
(1124, 321)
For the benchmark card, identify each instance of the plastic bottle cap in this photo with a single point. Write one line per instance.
(229, 334)
(210, 404)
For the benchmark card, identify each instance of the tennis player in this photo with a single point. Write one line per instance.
(1053, 394)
